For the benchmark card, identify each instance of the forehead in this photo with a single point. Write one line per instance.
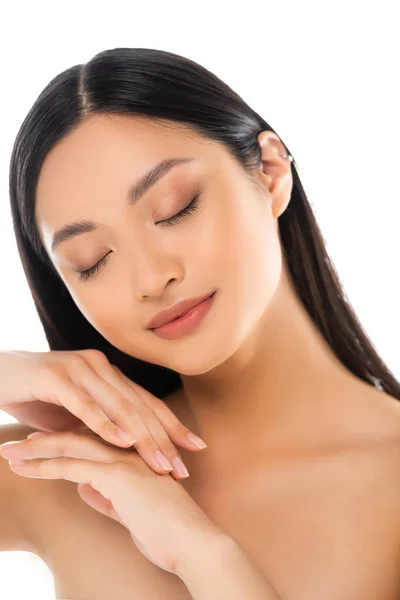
(102, 157)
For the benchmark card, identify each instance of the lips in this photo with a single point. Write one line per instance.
(179, 309)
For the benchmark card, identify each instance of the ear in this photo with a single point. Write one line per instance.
(275, 175)
(95, 500)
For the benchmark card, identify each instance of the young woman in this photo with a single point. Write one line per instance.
(144, 188)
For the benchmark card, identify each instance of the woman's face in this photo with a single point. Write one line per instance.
(229, 242)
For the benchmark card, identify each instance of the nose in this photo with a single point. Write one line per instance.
(153, 272)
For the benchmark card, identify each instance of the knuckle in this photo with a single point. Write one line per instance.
(75, 362)
(126, 406)
(63, 440)
(146, 442)
(90, 409)
(75, 357)
(40, 467)
(59, 448)
(97, 357)
(104, 424)
(45, 383)
(50, 373)
(148, 413)
(82, 352)
(90, 352)
(89, 404)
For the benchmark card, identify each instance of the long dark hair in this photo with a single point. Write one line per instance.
(162, 85)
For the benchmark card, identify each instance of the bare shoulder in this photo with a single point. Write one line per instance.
(374, 460)
(374, 480)
(373, 422)
(384, 411)
(22, 499)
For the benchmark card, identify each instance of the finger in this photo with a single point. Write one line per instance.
(125, 406)
(95, 500)
(77, 470)
(119, 408)
(76, 445)
(76, 399)
(48, 445)
(177, 432)
(154, 445)
(135, 413)
(162, 442)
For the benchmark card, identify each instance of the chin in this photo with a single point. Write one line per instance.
(197, 361)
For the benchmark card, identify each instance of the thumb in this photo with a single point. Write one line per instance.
(95, 500)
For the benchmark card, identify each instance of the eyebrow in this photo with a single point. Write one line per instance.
(135, 192)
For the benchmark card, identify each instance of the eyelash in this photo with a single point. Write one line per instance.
(189, 209)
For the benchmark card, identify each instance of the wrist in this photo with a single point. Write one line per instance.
(222, 569)
(208, 546)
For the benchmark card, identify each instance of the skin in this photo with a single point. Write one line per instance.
(259, 383)
(257, 371)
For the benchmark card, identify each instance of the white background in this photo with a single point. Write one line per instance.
(323, 75)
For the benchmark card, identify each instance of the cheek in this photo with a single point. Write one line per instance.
(114, 320)
(251, 262)
(105, 309)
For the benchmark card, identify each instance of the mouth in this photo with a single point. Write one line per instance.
(176, 311)
(185, 323)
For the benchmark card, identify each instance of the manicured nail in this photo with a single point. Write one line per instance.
(198, 442)
(180, 467)
(16, 462)
(36, 434)
(163, 461)
(8, 445)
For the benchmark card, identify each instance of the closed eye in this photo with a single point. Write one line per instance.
(189, 209)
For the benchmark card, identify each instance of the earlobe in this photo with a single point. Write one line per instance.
(280, 199)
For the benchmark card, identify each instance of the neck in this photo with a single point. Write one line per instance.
(279, 386)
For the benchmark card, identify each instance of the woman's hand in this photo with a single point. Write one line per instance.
(164, 521)
(95, 394)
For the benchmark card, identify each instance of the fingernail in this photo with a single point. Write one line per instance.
(198, 442)
(163, 461)
(36, 434)
(180, 467)
(7, 445)
(125, 437)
